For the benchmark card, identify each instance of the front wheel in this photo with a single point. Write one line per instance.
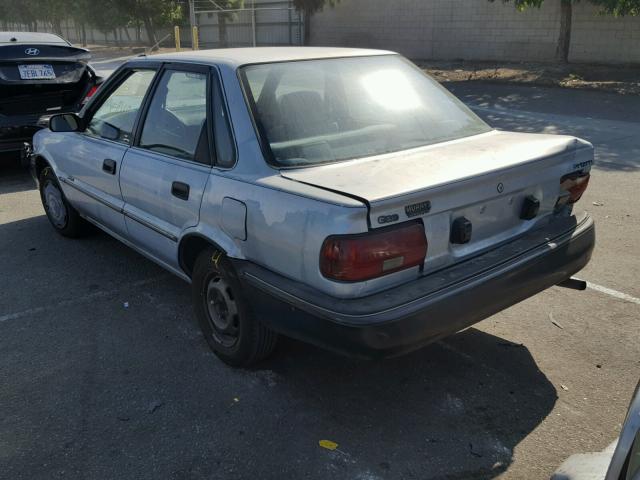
(228, 323)
(62, 216)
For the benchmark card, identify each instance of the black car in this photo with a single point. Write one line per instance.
(40, 74)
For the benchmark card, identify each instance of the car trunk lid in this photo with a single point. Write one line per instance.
(39, 95)
(484, 179)
(68, 63)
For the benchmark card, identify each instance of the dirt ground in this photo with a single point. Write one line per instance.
(619, 79)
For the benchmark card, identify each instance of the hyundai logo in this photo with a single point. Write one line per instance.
(32, 51)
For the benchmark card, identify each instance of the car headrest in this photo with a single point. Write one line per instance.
(303, 113)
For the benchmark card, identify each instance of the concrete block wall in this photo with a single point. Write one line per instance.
(476, 30)
(597, 38)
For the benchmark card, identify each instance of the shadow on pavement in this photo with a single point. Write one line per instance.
(550, 100)
(607, 120)
(101, 391)
(455, 409)
(13, 177)
(93, 389)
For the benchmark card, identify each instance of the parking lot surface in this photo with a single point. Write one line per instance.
(104, 373)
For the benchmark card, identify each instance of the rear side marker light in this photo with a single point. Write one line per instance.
(90, 94)
(573, 186)
(355, 258)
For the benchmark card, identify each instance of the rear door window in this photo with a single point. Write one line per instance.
(176, 122)
(116, 116)
(225, 147)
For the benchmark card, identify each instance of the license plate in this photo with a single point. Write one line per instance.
(36, 72)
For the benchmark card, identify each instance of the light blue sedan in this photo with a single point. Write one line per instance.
(338, 196)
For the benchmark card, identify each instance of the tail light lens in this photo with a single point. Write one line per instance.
(575, 184)
(354, 258)
(90, 94)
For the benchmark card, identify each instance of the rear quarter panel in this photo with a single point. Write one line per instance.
(285, 228)
(286, 221)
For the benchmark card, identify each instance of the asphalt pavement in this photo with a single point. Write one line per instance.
(104, 373)
(106, 65)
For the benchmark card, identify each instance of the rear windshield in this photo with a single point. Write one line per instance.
(319, 111)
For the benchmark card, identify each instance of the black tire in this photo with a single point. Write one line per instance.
(227, 321)
(62, 216)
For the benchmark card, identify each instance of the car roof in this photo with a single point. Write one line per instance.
(236, 57)
(31, 37)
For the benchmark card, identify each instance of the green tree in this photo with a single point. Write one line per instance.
(107, 16)
(20, 11)
(81, 12)
(153, 14)
(54, 12)
(308, 8)
(611, 7)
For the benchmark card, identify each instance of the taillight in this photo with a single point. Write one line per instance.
(575, 184)
(90, 93)
(354, 258)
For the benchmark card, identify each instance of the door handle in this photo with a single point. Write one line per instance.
(180, 190)
(109, 166)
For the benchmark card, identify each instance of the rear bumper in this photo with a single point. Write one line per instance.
(15, 130)
(409, 316)
(18, 122)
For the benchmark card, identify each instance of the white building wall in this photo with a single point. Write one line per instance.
(476, 30)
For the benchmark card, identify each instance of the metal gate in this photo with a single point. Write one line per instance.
(260, 23)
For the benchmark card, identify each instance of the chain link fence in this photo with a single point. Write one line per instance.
(260, 23)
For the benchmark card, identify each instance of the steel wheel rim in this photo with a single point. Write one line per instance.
(222, 311)
(55, 206)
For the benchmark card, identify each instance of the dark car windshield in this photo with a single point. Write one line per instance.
(318, 111)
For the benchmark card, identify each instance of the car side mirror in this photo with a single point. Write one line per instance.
(64, 122)
(109, 132)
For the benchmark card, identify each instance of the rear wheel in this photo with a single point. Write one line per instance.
(62, 216)
(228, 323)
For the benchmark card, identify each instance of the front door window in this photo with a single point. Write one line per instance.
(115, 118)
